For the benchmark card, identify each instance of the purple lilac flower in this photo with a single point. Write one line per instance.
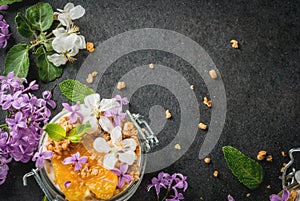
(40, 156)
(176, 197)
(123, 101)
(117, 115)
(3, 171)
(285, 196)
(230, 198)
(76, 160)
(24, 126)
(74, 112)
(47, 95)
(4, 7)
(122, 176)
(4, 32)
(180, 181)
(159, 182)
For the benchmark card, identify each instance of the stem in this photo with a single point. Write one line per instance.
(3, 125)
(166, 195)
(157, 197)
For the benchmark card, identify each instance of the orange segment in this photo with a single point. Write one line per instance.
(102, 185)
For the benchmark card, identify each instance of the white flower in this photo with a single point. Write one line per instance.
(69, 13)
(67, 45)
(118, 149)
(93, 109)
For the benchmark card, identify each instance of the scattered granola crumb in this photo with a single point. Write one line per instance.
(151, 66)
(94, 74)
(201, 198)
(168, 114)
(284, 164)
(177, 146)
(90, 47)
(248, 195)
(207, 160)
(213, 74)
(283, 154)
(121, 85)
(269, 158)
(234, 44)
(207, 102)
(202, 126)
(282, 169)
(216, 173)
(90, 79)
(143, 129)
(261, 155)
(268, 186)
(192, 87)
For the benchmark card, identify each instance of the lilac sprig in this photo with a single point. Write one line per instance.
(4, 31)
(26, 116)
(171, 183)
(122, 176)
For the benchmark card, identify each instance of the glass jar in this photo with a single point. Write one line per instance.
(291, 180)
(146, 139)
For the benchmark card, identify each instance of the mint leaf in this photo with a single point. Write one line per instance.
(6, 2)
(46, 70)
(23, 26)
(55, 131)
(74, 90)
(17, 60)
(40, 16)
(76, 133)
(247, 170)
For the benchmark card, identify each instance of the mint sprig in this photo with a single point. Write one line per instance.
(247, 170)
(57, 133)
(74, 90)
(6, 2)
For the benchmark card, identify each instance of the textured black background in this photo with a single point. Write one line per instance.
(261, 80)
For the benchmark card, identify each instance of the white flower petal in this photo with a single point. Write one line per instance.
(108, 104)
(106, 124)
(92, 100)
(77, 12)
(57, 59)
(68, 7)
(127, 157)
(60, 32)
(129, 144)
(116, 135)
(64, 19)
(110, 161)
(101, 145)
(64, 43)
(80, 42)
(93, 122)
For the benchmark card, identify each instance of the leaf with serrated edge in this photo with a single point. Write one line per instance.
(46, 70)
(74, 90)
(17, 60)
(55, 131)
(40, 16)
(24, 26)
(248, 171)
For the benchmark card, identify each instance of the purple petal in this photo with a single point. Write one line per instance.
(67, 184)
(68, 160)
(285, 194)
(83, 160)
(4, 7)
(78, 166)
(124, 168)
(149, 187)
(274, 197)
(230, 198)
(73, 118)
(67, 107)
(47, 154)
(39, 163)
(127, 178)
(120, 183)
(116, 171)
(157, 188)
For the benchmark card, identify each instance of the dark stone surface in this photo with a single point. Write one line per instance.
(261, 80)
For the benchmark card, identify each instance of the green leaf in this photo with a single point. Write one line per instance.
(48, 46)
(247, 170)
(40, 16)
(46, 70)
(6, 2)
(74, 90)
(24, 26)
(17, 60)
(55, 131)
(76, 133)
(44, 198)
